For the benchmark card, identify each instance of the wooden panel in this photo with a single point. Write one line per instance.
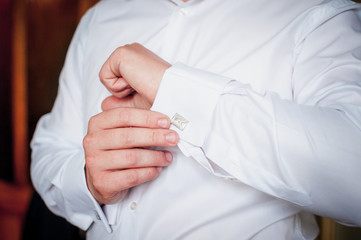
(10, 226)
(38, 32)
(14, 197)
(14, 200)
(6, 170)
(51, 25)
(19, 96)
(327, 227)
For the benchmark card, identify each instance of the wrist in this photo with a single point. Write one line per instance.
(154, 87)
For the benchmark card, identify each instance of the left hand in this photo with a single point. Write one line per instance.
(133, 68)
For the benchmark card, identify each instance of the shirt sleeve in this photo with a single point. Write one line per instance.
(57, 167)
(304, 150)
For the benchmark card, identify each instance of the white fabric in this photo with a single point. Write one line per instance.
(272, 93)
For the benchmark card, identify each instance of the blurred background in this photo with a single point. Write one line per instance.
(34, 37)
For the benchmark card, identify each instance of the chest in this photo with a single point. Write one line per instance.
(231, 41)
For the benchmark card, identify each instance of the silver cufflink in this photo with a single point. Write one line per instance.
(179, 121)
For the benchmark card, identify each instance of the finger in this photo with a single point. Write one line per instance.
(122, 93)
(128, 117)
(113, 102)
(134, 100)
(103, 193)
(110, 72)
(126, 179)
(110, 75)
(116, 84)
(122, 138)
(131, 158)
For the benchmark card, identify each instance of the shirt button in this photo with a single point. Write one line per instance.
(133, 206)
(183, 12)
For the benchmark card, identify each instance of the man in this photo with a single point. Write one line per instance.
(262, 101)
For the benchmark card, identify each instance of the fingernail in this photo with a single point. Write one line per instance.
(168, 156)
(171, 137)
(163, 123)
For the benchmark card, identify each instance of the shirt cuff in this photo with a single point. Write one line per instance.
(81, 207)
(188, 96)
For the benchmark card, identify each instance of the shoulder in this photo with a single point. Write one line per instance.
(108, 9)
(318, 14)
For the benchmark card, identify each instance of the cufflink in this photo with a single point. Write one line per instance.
(179, 121)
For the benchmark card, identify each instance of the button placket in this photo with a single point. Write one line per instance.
(174, 30)
(183, 11)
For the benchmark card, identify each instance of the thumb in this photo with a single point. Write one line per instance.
(134, 100)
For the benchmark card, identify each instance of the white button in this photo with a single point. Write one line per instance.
(183, 11)
(133, 205)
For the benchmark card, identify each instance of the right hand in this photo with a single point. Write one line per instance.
(133, 68)
(115, 151)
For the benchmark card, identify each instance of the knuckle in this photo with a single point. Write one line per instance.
(88, 141)
(126, 139)
(152, 173)
(118, 54)
(106, 104)
(90, 161)
(155, 137)
(98, 183)
(107, 192)
(131, 159)
(132, 178)
(125, 116)
(120, 50)
(136, 45)
(123, 51)
(104, 189)
(159, 157)
(92, 122)
(102, 75)
(149, 119)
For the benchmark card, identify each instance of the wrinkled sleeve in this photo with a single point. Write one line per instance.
(57, 167)
(304, 150)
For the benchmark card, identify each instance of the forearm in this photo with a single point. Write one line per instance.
(303, 154)
(57, 172)
(288, 150)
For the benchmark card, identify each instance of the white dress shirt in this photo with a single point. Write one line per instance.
(270, 95)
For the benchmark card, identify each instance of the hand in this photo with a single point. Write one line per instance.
(133, 68)
(115, 154)
(134, 100)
